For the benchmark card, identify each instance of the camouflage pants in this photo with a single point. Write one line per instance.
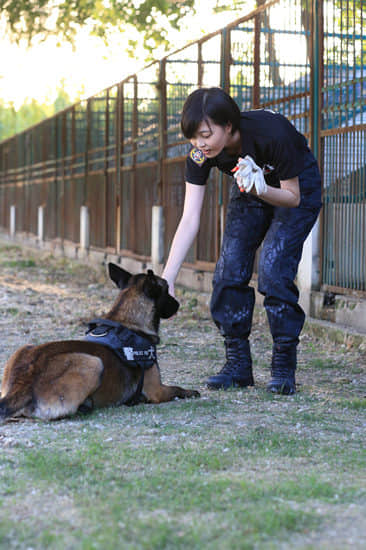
(282, 231)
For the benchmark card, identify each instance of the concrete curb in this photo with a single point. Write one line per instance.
(324, 330)
(339, 334)
(199, 284)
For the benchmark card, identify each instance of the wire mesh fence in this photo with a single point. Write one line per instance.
(343, 141)
(121, 151)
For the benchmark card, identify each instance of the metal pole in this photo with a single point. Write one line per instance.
(316, 106)
(134, 210)
(257, 60)
(316, 69)
(105, 172)
(118, 151)
(162, 132)
(225, 85)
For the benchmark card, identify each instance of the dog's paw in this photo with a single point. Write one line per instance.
(192, 393)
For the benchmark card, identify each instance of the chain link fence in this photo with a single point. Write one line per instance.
(121, 151)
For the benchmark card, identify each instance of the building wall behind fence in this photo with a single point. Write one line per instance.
(342, 135)
(121, 151)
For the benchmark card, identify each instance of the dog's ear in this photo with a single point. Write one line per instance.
(151, 287)
(167, 306)
(118, 275)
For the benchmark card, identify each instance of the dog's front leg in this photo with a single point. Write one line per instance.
(156, 392)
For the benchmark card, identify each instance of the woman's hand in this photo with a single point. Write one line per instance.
(171, 290)
(250, 179)
(249, 176)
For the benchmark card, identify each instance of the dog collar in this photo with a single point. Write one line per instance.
(131, 347)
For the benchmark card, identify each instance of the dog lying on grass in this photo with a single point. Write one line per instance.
(116, 363)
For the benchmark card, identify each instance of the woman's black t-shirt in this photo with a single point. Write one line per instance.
(269, 138)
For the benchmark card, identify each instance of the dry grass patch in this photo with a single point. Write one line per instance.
(233, 470)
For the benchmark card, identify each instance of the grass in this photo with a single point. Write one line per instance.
(197, 484)
(162, 486)
(357, 403)
(240, 469)
(21, 264)
(10, 310)
(215, 492)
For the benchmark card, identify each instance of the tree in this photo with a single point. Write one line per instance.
(14, 120)
(41, 18)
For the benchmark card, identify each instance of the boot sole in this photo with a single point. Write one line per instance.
(281, 389)
(214, 386)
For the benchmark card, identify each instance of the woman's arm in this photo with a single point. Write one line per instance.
(250, 179)
(185, 233)
(287, 196)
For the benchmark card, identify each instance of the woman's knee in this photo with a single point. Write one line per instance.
(269, 274)
(238, 273)
(276, 279)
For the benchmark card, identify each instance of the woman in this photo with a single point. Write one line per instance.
(279, 204)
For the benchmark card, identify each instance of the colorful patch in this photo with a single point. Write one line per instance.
(267, 169)
(197, 156)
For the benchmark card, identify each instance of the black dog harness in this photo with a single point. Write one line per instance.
(129, 346)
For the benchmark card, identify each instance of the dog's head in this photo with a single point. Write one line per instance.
(153, 286)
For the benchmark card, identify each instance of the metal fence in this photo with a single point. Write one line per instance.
(343, 145)
(121, 151)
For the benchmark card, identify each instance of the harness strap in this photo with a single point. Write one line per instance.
(132, 348)
(106, 322)
(135, 399)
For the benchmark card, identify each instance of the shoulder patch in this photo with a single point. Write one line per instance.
(197, 156)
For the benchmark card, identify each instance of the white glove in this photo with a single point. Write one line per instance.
(247, 174)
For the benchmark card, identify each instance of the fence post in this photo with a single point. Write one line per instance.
(12, 220)
(318, 73)
(62, 197)
(162, 130)
(157, 219)
(309, 275)
(225, 85)
(132, 240)
(105, 172)
(84, 228)
(257, 60)
(40, 224)
(157, 236)
(118, 153)
(87, 147)
(199, 66)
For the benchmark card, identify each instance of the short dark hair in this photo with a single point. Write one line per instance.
(209, 103)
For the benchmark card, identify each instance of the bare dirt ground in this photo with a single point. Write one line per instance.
(43, 298)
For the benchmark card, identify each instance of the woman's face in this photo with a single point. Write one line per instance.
(211, 138)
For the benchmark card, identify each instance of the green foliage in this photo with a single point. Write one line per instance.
(151, 18)
(19, 263)
(13, 121)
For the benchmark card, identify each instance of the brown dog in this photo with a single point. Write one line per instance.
(116, 363)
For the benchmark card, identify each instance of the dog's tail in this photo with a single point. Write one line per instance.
(16, 385)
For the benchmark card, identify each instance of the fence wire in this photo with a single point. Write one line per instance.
(121, 151)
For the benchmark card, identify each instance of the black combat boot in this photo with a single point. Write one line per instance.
(237, 371)
(283, 369)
